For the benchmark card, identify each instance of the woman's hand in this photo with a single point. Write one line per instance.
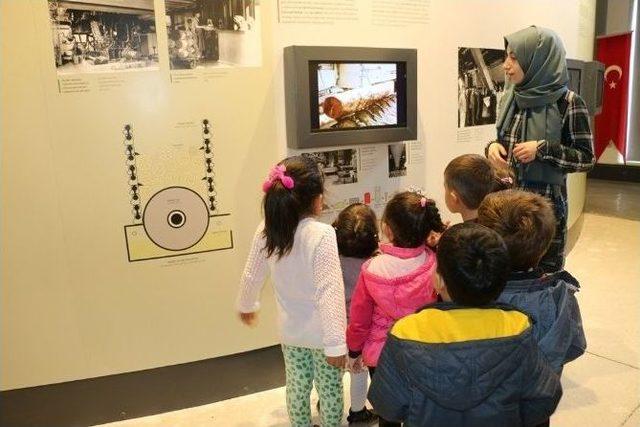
(248, 319)
(337, 362)
(526, 152)
(497, 154)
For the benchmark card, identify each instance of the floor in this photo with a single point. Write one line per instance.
(601, 389)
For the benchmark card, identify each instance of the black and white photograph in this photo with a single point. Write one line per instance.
(356, 95)
(213, 33)
(480, 85)
(397, 159)
(339, 166)
(102, 37)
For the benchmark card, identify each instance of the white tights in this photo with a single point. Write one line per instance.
(358, 391)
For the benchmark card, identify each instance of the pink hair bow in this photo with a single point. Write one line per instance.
(507, 180)
(424, 201)
(277, 173)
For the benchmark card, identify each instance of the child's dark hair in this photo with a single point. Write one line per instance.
(525, 221)
(411, 217)
(473, 262)
(284, 207)
(472, 177)
(357, 231)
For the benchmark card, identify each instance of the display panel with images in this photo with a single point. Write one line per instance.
(480, 85)
(108, 36)
(357, 95)
(213, 33)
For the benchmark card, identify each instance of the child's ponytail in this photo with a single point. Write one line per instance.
(411, 217)
(432, 220)
(290, 190)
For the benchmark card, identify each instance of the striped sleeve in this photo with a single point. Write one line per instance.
(575, 152)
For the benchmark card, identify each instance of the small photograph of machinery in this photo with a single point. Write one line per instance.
(356, 95)
(209, 33)
(104, 36)
(339, 166)
(480, 85)
(397, 159)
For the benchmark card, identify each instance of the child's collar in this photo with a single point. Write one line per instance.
(532, 273)
(404, 253)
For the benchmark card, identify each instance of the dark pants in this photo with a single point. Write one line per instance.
(553, 259)
(381, 421)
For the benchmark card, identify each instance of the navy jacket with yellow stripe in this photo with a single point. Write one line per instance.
(449, 365)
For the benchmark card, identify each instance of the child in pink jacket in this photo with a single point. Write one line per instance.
(397, 282)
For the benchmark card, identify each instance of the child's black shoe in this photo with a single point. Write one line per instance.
(364, 416)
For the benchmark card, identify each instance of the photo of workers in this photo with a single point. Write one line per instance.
(480, 85)
(108, 36)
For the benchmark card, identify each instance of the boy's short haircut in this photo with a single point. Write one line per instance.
(474, 264)
(472, 177)
(525, 221)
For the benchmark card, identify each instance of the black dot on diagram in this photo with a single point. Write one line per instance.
(176, 219)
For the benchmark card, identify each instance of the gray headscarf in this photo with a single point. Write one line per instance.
(541, 55)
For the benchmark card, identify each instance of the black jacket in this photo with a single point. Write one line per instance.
(451, 366)
(550, 300)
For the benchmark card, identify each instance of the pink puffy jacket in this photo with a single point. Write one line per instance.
(378, 302)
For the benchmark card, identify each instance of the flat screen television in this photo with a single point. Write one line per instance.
(592, 81)
(347, 96)
(575, 68)
(586, 78)
(599, 88)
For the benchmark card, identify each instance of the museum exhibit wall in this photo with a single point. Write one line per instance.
(83, 293)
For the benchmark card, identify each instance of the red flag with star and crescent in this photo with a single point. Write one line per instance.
(611, 123)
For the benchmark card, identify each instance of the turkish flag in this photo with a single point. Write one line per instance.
(611, 123)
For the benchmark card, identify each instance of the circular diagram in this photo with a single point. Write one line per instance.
(176, 218)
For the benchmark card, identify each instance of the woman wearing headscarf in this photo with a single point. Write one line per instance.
(543, 127)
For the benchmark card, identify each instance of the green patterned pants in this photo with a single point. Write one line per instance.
(304, 366)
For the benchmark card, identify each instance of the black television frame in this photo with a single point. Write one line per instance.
(300, 134)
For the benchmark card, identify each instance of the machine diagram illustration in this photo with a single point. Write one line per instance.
(176, 220)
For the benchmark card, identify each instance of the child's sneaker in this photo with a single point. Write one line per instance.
(364, 416)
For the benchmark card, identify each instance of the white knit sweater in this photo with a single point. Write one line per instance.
(308, 287)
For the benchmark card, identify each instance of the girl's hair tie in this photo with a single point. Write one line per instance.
(425, 201)
(507, 180)
(277, 173)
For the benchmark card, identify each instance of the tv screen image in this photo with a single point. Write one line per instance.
(356, 95)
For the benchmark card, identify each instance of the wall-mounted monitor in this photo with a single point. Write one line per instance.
(347, 96)
(587, 79)
(594, 81)
(575, 69)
